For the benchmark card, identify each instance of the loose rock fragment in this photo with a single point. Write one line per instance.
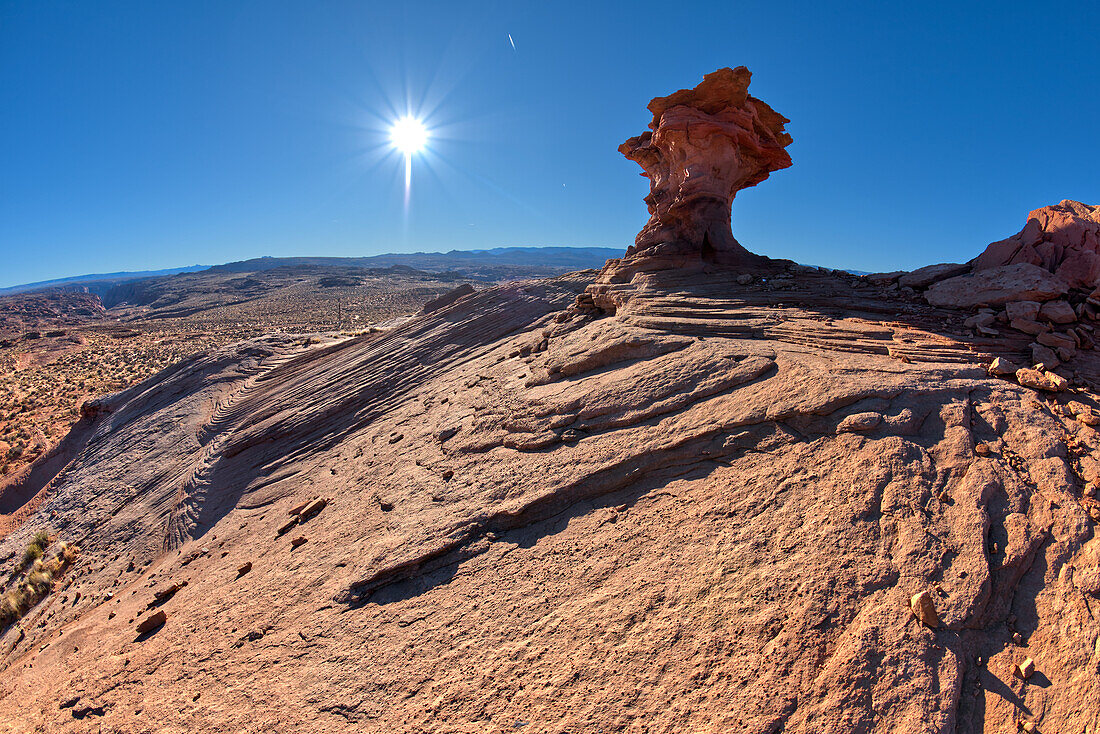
(241, 571)
(1058, 312)
(312, 509)
(287, 525)
(152, 622)
(1025, 669)
(1041, 380)
(924, 610)
(859, 422)
(1028, 326)
(982, 449)
(300, 540)
(1001, 367)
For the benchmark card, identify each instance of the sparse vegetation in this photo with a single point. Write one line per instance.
(34, 577)
(85, 352)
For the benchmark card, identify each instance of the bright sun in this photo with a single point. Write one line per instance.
(409, 135)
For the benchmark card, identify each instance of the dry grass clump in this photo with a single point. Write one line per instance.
(37, 581)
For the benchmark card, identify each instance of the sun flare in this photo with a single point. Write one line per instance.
(409, 135)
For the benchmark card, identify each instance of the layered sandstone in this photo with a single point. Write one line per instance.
(704, 145)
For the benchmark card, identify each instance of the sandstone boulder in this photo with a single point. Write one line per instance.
(997, 286)
(929, 274)
(1028, 326)
(924, 609)
(152, 622)
(1001, 367)
(1041, 380)
(1058, 312)
(1027, 310)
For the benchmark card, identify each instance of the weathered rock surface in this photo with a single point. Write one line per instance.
(929, 274)
(704, 145)
(1063, 239)
(652, 519)
(997, 286)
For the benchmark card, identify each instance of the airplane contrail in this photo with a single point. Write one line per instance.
(511, 42)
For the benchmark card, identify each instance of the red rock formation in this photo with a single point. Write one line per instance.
(1063, 238)
(706, 144)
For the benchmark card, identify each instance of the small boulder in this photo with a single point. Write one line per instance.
(1025, 669)
(1041, 380)
(859, 422)
(242, 570)
(924, 610)
(1083, 413)
(980, 319)
(312, 509)
(1044, 355)
(1001, 367)
(152, 622)
(1028, 326)
(300, 540)
(1058, 312)
(1027, 310)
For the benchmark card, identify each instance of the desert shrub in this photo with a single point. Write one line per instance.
(34, 550)
(31, 554)
(40, 581)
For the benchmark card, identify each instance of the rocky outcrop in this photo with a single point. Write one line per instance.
(704, 145)
(1063, 239)
(997, 286)
(929, 274)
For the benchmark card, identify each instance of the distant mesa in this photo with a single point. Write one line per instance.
(704, 145)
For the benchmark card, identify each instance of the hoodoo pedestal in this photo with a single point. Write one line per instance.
(704, 145)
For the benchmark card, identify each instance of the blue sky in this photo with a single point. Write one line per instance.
(139, 135)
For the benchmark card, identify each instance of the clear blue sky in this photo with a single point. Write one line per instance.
(140, 135)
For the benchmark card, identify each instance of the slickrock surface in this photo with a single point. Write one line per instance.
(709, 511)
(704, 145)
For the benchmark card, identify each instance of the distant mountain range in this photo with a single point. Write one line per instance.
(120, 277)
(492, 264)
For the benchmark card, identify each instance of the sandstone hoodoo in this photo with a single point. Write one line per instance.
(704, 145)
